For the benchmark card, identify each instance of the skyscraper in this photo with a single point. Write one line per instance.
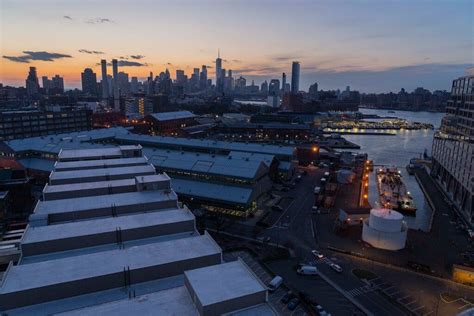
(219, 81)
(32, 85)
(57, 83)
(89, 82)
(115, 85)
(283, 82)
(274, 87)
(203, 77)
(105, 83)
(295, 77)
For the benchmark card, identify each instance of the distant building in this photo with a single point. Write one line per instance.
(24, 124)
(274, 87)
(89, 82)
(295, 77)
(313, 91)
(32, 85)
(169, 123)
(264, 87)
(105, 81)
(453, 147)
(219, 77)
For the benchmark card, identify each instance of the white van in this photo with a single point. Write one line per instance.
(275, 283)
(307, 270)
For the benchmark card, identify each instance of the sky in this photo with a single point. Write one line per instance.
(370, 45)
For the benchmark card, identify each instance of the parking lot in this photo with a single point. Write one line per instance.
(266, 277)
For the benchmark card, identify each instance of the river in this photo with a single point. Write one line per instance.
(397, 151)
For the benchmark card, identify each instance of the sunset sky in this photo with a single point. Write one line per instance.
(373, 46)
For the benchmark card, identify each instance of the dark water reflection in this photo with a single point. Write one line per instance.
(397, 151)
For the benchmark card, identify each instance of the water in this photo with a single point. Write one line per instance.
(397, 151)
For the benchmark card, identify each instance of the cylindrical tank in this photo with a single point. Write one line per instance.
(385, 220)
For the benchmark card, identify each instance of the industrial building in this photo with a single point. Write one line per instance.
(169, 123)
(23, 124)
(131, 248)
(226, 177)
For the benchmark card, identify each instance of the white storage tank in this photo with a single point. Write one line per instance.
(385, 229)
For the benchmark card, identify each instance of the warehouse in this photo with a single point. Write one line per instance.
(94, 254)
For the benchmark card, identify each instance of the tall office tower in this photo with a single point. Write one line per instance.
(134, 85)
(105, 83)
(89, 82)
(313, 89)
(57, 84)
(203, 77)
(195, 77)
(115, 86)
(295, 77)
(123, 83)
(453, 147)
(263, 87)
(32, 85)
(283, 82)
(274, 87)
(46, 84)
(219, 81)
(180, 77)
(230, 73)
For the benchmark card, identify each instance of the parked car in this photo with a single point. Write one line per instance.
(315, 209)
(275, 283)
(336, 267)
(287, 297)
(307, 270)
(317, 190)
(293, 304)
(317, 254)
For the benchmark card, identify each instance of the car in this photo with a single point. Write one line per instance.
(275, 283)
(298, 177)
(317, 254)
(317, 190)
(326, 174)
(287, 297)
(323, 180)
(336, 267)
(315, 209)
(277, 208)
(293, 304)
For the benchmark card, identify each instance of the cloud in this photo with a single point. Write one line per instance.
(126, 63)
(137, 56)
(237, 61)
(67, 17)
(99, 21)
(285, 58)
(41, 56)
(92, 52)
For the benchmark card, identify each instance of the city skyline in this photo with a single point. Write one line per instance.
(401, 50)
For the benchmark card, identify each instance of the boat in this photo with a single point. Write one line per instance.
(393, 193)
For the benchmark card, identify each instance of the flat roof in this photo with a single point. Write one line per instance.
(223, 282)
(51, 272)
(174, 301)
(84, 164)
(105, 184)
(102, 201)
(207, 144)
(217, 192)
(169, 116)
(35, 234)
(100, 172)
(73, 140)
(235, 164)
